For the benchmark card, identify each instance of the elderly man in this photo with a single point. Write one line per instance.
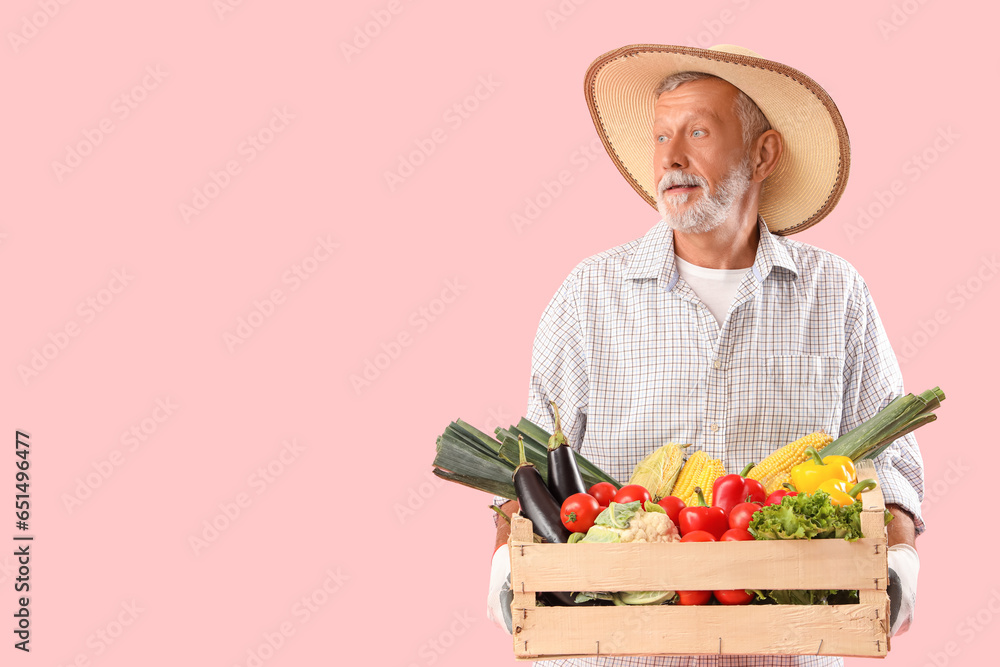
(714, 328)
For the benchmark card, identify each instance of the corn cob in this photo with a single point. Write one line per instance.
(658, 472)
(776, 469)
(699, 471)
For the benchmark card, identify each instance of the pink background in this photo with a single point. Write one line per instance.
(432, 270)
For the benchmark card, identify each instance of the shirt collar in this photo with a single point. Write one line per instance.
(654, 256)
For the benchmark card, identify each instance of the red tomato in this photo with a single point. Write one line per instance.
(740, 515)
(734, 597)
(579, 511)
(735, 535)
(775, 498)
(699, 536)
(693, 597)
(631, 493)
(673, 507)
(604, 492)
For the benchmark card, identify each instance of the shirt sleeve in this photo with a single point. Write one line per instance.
(559, 369)
(871, 380)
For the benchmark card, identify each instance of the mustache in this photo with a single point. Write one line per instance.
(672, 178)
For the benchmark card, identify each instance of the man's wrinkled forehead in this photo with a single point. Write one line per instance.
(705, 98)
(661, 112)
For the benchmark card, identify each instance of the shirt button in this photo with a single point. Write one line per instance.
(717, 364)
(715, 427)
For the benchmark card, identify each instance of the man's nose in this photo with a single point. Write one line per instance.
(674, 156)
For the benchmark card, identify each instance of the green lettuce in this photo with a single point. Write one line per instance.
(807, 516)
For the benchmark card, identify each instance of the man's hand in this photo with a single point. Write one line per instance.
(500, 596)
(903, 567)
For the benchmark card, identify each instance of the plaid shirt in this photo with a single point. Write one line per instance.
(634, 359)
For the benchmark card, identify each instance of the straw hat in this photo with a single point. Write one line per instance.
(814, 165)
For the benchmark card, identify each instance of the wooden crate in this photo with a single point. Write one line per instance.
(843, 630)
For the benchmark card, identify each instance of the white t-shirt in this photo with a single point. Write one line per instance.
(716, 287)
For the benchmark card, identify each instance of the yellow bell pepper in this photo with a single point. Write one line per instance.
(808, 476)
(839, 492)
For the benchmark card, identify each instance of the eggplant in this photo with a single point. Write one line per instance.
(538, 505)
(564, 475)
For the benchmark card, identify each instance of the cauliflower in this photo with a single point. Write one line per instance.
(651, 527)
(628, 522)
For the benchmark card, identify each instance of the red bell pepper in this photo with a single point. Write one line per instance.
(712, 520)
(731, 490)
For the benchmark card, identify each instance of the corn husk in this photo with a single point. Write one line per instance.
(658, 472)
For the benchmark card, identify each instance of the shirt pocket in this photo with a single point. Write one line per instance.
(803, 394)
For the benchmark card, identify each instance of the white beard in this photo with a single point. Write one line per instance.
(709, 211)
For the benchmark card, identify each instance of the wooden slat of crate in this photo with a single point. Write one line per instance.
(778, 564)
(848, 630)
(873, 499)
(873, 526)
(771, 629)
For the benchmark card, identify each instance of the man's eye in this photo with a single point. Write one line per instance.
(696, 133)
(660, 138)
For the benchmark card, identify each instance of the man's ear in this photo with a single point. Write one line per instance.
(767, 152)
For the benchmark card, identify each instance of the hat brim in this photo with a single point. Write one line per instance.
(815, 162)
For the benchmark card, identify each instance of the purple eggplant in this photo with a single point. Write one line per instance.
(564, 475)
